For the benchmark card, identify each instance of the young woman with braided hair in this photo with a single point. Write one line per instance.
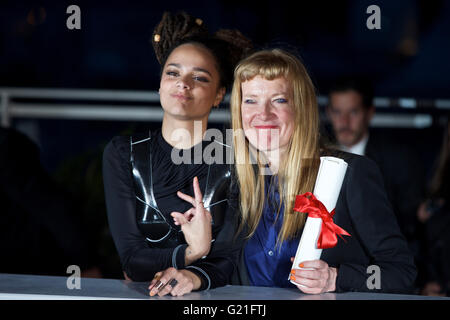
(178, 242)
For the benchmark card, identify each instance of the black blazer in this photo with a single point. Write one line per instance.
(403, 175)
(41, 229)
(364, 211)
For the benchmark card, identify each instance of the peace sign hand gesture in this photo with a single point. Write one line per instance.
(195, 224)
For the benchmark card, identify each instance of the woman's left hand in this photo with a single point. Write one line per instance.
(318, 279)
(195, 224)
(173, 281)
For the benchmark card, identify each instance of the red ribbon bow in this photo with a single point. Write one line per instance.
(308, 203)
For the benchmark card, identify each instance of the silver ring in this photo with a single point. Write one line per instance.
(158, 285)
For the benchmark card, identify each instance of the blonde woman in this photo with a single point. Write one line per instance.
(276, 140)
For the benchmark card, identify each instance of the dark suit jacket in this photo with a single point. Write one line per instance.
(403, 176)
(40, 230)
(364, 211)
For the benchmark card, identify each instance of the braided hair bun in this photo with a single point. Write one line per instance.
(172, 29)
(239, 45)
(227, 46)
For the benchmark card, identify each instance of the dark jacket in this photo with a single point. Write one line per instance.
(403, 176)
(40, 227)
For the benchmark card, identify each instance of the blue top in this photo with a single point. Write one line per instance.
(268, 265)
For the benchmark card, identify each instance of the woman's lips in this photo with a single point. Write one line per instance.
(265, 126)
(181, 96)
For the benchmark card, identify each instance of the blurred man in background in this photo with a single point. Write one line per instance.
(350, 111)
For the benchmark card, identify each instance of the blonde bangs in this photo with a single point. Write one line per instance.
(267, 66)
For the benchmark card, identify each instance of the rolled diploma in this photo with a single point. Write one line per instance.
(327, 188)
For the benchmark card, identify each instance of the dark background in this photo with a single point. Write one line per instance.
(407, 57)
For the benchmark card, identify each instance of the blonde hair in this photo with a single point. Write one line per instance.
(298, 173)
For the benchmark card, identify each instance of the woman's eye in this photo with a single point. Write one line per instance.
(172, 73)
(249, 101)
(202, 79)
(281, 100)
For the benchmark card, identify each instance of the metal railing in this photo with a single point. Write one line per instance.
(119, 105)
(85, 104)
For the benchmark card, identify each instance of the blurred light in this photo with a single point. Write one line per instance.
(407, 103)
(36, 16)
(408, 46)
(381, 102)
(443, 104)
(418, 121)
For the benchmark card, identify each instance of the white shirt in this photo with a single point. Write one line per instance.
(358, 148)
